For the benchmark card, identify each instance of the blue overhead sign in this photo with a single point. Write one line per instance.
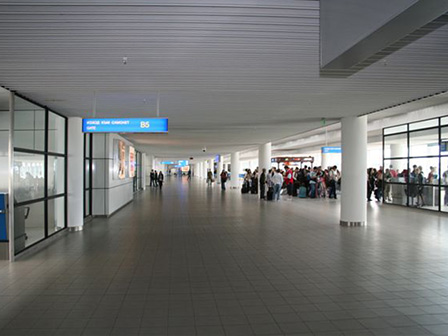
(182, 163)
(167, 162)
(125, 125)
(331, 150)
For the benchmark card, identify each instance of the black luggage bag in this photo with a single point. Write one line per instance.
(270, 194)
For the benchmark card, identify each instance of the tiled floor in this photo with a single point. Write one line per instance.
(194, 261)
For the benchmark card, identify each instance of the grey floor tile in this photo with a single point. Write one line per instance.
(439, 329)
(320, 326)
(238, 330)
(191, 261)
(297, 327)
(216, 330)
(234, 319)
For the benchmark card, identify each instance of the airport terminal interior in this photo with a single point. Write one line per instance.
(249, 167)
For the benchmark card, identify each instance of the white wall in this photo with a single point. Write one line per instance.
(109, 194)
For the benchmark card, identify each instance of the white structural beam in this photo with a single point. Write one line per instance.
(75, 173)
(235, 167)
(264, 156)
(354, 178)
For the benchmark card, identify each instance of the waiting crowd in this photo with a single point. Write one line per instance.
(305, 182)
(316, 182)
(415, 179)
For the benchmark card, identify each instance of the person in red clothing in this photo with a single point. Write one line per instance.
(289, 180)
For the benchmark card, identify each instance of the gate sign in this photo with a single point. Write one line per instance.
(125, 125)
(331, 150)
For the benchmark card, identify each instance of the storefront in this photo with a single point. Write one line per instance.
(416, 164)
(299, 162)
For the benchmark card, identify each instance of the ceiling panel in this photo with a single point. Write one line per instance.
(229, 74)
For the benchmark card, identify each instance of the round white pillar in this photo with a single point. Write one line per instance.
(354, 175)
(235, 166)
(204, 169)
(264, 156)
(143, 167)
(75, 174)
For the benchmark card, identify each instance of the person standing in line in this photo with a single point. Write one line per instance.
(370, 183)
(387, 186)
(263, 183)
(393, 172)
(289, 181)
(255, 182)
(160, 179)
(189, 175)
(151, 178)
(445, 183)
(277, 180)
(223, 179)
(269, 178)
(379, 184)
(156, 177)
(248, 179)
(332, 177)
(209, 178)
(420, 187)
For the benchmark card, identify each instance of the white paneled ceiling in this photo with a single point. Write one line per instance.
(230, 74)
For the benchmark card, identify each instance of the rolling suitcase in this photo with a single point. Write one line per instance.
(270, 194)
(302, 192)
(294, 191)
(244, 189)
(312, 190)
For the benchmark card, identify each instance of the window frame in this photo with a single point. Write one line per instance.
(46, 154)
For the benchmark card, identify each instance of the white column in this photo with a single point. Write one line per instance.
(200, 171)
(354, 174)
(264, 157)
(144, 170)
(219, 169)
(235, 166)
(75, 175)
(204, 170)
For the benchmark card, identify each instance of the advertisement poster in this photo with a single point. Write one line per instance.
(119, 159)
(131, 161)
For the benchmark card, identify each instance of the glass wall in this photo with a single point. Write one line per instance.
(416, 164)
(39, 173)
